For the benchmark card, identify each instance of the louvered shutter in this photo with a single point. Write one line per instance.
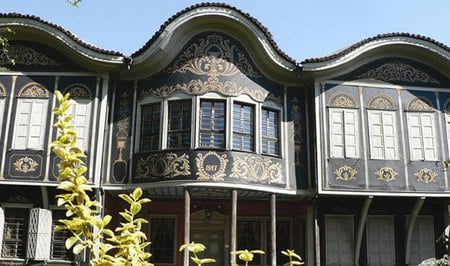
(429, 140)
(39, 234)
(389, 135)
(415, 136)
(422, 240)
(380, 240)
(376, 134)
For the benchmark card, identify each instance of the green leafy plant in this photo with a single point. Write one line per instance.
(4, 43)
(294, 258)
(196, 248)
(88, 229)
(246, 255)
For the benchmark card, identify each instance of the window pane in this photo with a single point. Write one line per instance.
(58, 247)
(162, 239)
(179, 124)
(243, 117)
(270, 132)
(15, 232)
(249, 237)
(212, 124)
(150, 127)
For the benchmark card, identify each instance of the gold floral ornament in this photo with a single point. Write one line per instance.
(211, 166)
(345, 173)
(163, 165)
(257, 169)
(426, 175)
(386, 174)
(25, 165)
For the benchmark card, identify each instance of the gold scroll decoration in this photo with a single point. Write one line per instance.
(258, 169)
(345, 173)
(167, 165)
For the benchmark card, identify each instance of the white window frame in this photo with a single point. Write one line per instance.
(147, 101)
(345, 136)
(387, 152)
(23, 130)
(420, 142)
(213, 97)
(166, 121)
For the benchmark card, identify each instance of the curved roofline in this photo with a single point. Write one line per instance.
(166, 24)
(344, 55)
(39, 30)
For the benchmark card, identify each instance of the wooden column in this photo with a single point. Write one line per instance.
(233, 229)
(187, 224)
(361, 225)
(412, 220)
(273, 228)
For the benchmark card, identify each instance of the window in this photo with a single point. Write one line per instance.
(15, 232)
(380, 240)
(81, 113)
(249, 237)
(162, 239)
(283, 236)
(344, 142)
(383, 134)
(243, 129)
(270, 132)
(422, 240)
(179, 134)
(31, 118)
(422, 142)
(150, 126)
(212, 124)
(58, 248)
(339, 239)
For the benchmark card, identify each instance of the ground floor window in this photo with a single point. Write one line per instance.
(339, 239)
(422, 240)
(380, 240)
(162, 231)
(58, 249)
(15, 233)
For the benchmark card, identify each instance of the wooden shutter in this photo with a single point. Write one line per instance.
(30, 124)
(429, 140)
(422, 240)
(390, 135)
(337, 133)
(81, 120)
(351, 133)
(376, 134)
(339, 240)
(421, 130)
(380, 240)
(344, 133)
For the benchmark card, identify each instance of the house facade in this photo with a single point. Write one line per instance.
(237, 145)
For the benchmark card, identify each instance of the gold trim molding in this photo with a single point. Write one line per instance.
(259, 169)
(33, 90)
(381, 102)
(342, 100)
(419, 104)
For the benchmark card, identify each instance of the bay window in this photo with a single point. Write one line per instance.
(270, 132)
(212, 124)
(150, 126)
(243, 127)
(179, 132)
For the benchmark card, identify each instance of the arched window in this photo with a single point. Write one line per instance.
(383, 133)
(31, 117)
(343, 122)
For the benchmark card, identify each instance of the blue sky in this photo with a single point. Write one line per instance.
(302, 28)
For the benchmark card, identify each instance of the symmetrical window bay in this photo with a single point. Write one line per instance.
(208, 121)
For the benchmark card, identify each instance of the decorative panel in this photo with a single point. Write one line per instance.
(25, 164)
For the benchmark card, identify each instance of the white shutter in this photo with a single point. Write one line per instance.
(81, 120)
(376, 134)
(337, 133)
(351, 133)
(390, 135)
(422, 240)
(2, 226)
(2, 114)
(339, 240)
(30, 124)
(421, 129)
(429, 140)
(380, 240)
(39, 234)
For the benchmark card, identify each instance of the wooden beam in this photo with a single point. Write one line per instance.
(187, 224)
(273, 228)
(361, 225)
(412, 220)
(233, 224)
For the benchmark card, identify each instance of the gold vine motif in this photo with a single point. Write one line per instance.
(386, 174)
(197, 86)
(345, 173)
(397, 71)
(426, 175)
(381, 102)
(207, 171)
(167, 165)
(214, 56)
(257, 169)
(25, 165)
(342, 100)
(79, 92)
(33, 90)
(418, 104)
